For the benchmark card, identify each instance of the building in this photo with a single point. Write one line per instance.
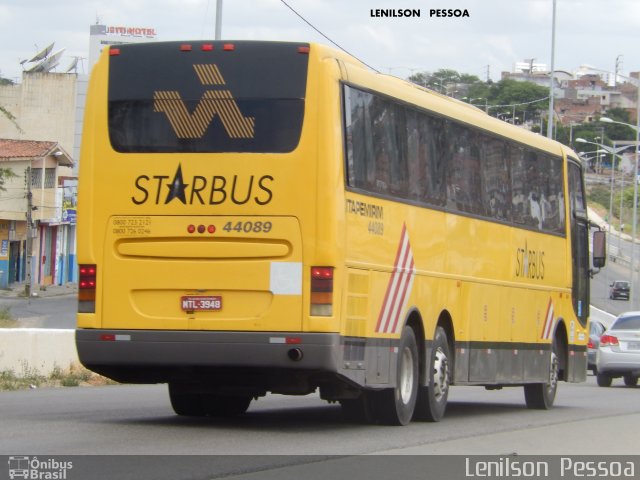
(44, 122)
(37, 225)
(44, 108)
(101, 36)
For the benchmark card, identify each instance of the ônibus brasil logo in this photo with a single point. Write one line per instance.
(32, 468)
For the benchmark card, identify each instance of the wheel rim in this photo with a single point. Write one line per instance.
(553, 373)
(440, 374)
(406, 376)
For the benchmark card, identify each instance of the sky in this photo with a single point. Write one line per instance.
(494, 35)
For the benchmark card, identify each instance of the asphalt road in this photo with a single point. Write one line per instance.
(139, 420)
(43, 312)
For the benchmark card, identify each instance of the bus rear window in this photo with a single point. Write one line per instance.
(207, 97)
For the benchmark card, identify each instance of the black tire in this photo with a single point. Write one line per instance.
(187, 402)
(227, 406)
(395, 406)
(432, 399)
(358, 410)
(604, 380)
(630, 380)
(540, 396)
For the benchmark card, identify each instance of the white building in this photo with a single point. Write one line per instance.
(103, 35)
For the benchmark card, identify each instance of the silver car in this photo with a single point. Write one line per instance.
(619, 351)
(596, 329)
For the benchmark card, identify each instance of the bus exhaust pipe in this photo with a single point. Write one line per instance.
(295, 354)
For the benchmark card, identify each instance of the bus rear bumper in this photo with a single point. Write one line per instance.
(119, 354)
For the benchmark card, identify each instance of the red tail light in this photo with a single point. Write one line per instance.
(608, 340)
(87, 284)
(590, 344)
(322, 291)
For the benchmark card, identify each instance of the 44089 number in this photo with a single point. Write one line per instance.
(376, 228)
(248, 227)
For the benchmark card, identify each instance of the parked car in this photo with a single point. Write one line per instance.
(596, 329)
(619, 351)
(619, 289)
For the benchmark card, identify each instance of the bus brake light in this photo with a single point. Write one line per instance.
(87, 284)
(322, 291)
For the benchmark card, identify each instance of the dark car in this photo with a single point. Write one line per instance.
(596, 329)
(619, 289)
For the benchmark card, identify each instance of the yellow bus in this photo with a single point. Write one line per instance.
(261, 217)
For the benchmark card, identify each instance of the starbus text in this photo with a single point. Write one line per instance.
(215, 190)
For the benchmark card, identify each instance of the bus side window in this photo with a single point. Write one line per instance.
(579, 243)
(463, 185)
(496, 187)
(360, 154)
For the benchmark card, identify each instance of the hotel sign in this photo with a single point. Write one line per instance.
(131, 31)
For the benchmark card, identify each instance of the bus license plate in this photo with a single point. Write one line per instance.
(199, 303)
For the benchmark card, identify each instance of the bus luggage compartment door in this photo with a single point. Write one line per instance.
(202, 273)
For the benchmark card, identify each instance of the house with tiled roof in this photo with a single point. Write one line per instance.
(35, 225)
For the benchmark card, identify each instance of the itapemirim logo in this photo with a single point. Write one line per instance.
(32, 468)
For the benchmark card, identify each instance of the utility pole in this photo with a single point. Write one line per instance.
(617, 70)
(28, 285)
(218, 19)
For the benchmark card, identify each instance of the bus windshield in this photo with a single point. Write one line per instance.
(214, 97)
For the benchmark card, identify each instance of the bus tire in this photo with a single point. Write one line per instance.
(200, 404)
(358, 410)
(395, 406)
(432, 398)
(227, 406)
(540, 396)
(186, 403)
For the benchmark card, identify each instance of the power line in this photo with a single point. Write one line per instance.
(327, 38)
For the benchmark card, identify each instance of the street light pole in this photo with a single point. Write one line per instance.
(635, 189)
(553, 53)
(615, 153)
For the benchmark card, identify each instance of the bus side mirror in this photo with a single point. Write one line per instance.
(599, 249)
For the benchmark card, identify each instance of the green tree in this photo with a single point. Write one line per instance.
(443, 79)
(524, 98)
(5, 173)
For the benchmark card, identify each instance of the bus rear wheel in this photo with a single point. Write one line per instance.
(395, 406)
(187, 402)
(432, 399)
(540, 396)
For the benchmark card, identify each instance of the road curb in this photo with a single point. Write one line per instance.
(36, 350)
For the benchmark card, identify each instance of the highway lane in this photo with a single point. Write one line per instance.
(138, 420)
